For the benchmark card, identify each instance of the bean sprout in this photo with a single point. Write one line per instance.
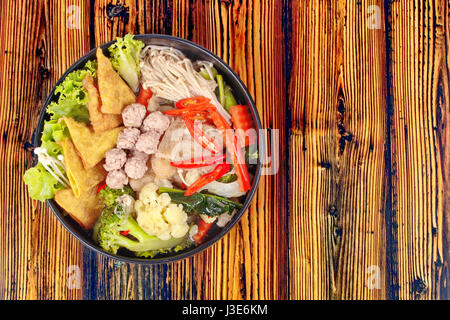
(53, 166)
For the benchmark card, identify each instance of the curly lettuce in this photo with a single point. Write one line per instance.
(124, 56)
(72, 98)
(72, 102)
(41, 184)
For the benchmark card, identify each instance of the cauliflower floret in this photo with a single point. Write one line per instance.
(151, 220)
(148, 194)
(158, 216)
(175, 216)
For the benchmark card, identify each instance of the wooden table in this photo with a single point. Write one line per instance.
(360, 93)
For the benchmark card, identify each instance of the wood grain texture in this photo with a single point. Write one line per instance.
(419, 131)
(359, 206)
(37, 251)
(337, 98)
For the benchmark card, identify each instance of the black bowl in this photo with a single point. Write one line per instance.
(194, 52)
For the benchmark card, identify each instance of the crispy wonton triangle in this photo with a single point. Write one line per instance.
(85, 210)
(100, 122)
(81, 179)
(92, 147)
(114, 92)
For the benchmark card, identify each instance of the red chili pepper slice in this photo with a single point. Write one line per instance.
(242, 122)
(219, 171)
(198, 162)
(199, 136)
(233, 147)
(197, 108)
(203, 228)
(101, 186)
(125, 233)
(202, 115)
(144, 95)
(190, 102)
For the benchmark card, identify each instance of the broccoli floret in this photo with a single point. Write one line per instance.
(110, 195)
(116, 228)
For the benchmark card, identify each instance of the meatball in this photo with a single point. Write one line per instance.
(148, 142)
(133, 114)
(156, 121)
(127, 138)
(115, 159)
(116, 179)
(139, 155)
(135, 168)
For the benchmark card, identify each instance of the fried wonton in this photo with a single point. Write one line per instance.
(114, 91)
(100, 122)
(91, 146)
(85, 210)
(81, 179)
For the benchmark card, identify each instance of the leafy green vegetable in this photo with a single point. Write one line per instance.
(114, 220)
(110, 195)
(186, 243)
(72, 99)
(125, 59)
(251, 154)
(223, 91)
(69, 108)
(201, 203)
(204, 73)
(228, 178)
(54, 131)
(225, 94)
(229, 98)
(41, 184)
(220, 85)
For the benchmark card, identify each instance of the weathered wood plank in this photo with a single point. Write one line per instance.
(36, 250)
(337, 100)
(420, 122)
(250, 262)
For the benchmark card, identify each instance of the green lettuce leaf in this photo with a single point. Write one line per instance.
(72, 101)
(41, 184)
(124, 56)
(72, 98)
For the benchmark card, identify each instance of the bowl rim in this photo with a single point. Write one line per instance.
(59, 213)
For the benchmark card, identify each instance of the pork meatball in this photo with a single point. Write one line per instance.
(115, 159)
(127, 138)
(135, 168)
(116, 179)
(139, 155)
(133, 114)
(148, 142)
(156, 121)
